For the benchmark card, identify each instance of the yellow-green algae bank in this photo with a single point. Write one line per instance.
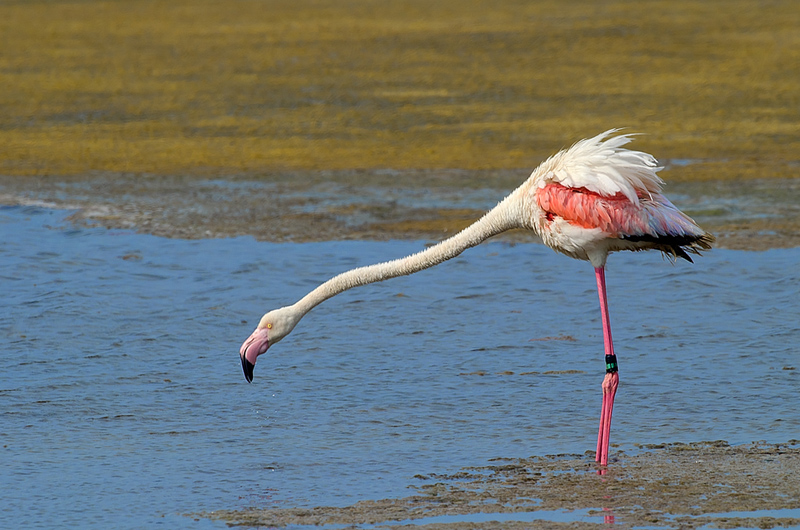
(255, 86)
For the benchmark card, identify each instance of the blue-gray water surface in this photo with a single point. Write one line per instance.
(122, 402)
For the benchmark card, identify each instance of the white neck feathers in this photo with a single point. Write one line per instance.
(502, 217)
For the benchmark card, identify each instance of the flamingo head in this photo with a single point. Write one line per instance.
(273, 326)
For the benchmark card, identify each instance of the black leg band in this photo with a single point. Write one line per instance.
(611, 364)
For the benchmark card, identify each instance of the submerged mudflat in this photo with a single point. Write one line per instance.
(374, 204)
(677, 485)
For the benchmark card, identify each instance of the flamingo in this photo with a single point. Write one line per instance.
(586, 201)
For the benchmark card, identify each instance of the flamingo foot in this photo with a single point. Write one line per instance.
(610, 384)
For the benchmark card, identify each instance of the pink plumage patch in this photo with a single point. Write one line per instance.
(614, 214)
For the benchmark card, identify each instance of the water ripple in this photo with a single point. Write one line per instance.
(123, 400)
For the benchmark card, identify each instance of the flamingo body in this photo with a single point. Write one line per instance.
(587, 201)
(597, 197)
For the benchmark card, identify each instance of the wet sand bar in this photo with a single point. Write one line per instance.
(678, 485)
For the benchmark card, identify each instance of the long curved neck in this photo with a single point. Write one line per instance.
(505, 216)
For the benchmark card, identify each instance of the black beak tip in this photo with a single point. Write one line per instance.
(247, 367)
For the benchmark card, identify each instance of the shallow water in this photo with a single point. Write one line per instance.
(123, 403)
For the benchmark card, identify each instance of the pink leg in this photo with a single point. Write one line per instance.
(611, 380)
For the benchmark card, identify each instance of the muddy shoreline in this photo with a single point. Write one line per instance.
(676, 485)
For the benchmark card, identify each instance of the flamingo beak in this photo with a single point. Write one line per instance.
(255, 345)
(247, 367)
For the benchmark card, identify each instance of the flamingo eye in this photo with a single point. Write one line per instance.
(269, 326)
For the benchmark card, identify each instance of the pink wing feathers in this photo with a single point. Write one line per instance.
(651, 215)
